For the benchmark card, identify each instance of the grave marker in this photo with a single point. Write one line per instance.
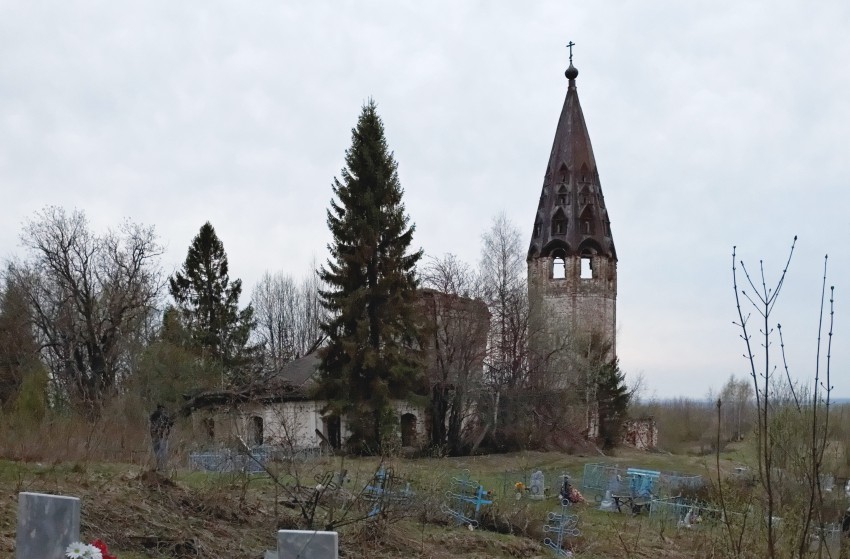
(537, 485)
(307, 544)
(47, 525)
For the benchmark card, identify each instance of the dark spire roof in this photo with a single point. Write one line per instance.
(571, 217)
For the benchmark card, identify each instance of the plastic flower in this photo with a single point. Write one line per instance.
(79, 550)
(104, 551)
(76, 550)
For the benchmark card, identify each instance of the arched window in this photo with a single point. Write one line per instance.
(332, 430)
(255, 434)
(559, 265)
(559, 268)
(563, 197)
(537, 227)
(565, 175)
(559, 223)
(586, 267)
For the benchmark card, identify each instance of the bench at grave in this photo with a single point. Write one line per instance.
(47, 525)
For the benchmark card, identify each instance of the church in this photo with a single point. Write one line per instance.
(572, 294)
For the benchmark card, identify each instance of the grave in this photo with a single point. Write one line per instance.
(466, 497)
(561, 525)
(537, 487)
(47, 525)
(306, 544)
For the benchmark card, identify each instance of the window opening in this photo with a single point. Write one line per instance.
(586, 268)
(332, 430)
(256, 435)
(408, 430)
(559, 268)
(209, 427)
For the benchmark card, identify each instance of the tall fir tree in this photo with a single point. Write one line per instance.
(209, 306)
(613, 398)
(369, 359)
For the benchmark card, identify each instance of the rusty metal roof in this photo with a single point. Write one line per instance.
(571, 217)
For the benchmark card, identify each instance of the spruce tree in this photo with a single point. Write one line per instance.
(369, 358)
(209, 306)
(613, 397)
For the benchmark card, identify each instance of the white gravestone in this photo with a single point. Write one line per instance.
(537, 485)
(307, 544)
(47, 525)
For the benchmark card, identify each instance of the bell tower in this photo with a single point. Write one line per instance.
(572, 264)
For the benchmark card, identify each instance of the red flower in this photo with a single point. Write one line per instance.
(103, 549)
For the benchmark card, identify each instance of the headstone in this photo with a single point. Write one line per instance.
(307, 544)
(47, 525)
(537, 485)
(608, 502)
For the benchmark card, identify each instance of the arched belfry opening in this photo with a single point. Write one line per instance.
(559, 265)
(586, 263)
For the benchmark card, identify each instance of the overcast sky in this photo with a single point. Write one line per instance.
(714, 124)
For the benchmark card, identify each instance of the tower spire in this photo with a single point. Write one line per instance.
(571, 215)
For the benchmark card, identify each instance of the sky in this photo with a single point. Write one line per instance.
(714, 124)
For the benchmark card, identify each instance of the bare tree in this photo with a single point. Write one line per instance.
(737, 398)
(274, 302)
(455, 335)
(289, 316)
(90, 295)
(792, 420)
(503, 284)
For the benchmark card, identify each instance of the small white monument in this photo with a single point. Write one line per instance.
(537, 487)
(47, 525)
(307, 544)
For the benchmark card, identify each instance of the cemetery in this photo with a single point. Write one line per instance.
(329, 507)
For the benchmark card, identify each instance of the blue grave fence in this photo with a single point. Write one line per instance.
(638, 483)
(226, 460)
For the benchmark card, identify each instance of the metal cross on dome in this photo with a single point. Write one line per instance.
(570, 46)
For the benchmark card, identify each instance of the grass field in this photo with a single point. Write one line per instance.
(194, 514)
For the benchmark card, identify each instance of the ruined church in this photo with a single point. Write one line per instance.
(572, 289)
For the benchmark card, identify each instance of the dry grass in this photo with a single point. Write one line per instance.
(192, 514)
(203, 515)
